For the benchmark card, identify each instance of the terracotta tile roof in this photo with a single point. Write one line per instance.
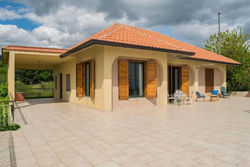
(120, 33)
(131, 35)
(34, 49)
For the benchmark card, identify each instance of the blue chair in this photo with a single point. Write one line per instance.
(200, 96)
(214, 95)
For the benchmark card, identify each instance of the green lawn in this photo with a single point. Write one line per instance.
(42, 90)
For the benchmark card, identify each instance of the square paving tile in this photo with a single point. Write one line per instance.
(201, 134)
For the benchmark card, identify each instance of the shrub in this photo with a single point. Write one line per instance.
(5, 123)
(3, 90)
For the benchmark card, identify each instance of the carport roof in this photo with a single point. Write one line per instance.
(34, 49)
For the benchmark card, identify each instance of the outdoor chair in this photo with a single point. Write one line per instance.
(224, 92)
(200, 96)
(178, 97)
(171, 98)
(188, 100)
(214, 95)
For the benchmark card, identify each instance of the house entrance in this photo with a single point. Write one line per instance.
(178, 78)
(174, 79)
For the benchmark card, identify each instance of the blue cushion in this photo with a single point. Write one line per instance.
(199, 95)
(214, 92)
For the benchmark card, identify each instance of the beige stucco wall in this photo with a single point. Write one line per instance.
(218, 79)
(106, 75)
(112, 54)
(96, 53)
(105, 58)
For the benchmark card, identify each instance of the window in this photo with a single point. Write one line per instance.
(85, 72)
(136, 79)
(55, 82)
(87, 79)
(67, 82)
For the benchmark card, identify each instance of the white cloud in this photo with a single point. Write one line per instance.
(6, 14)
(196, 33)
(63, 28)
(11, 34)
(63, 24)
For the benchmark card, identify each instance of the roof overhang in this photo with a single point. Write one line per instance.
(118, 44)
(33, 58)
(213, 61)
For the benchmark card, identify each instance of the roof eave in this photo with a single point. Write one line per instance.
(118, 44)
(213, 61)
(29, 49)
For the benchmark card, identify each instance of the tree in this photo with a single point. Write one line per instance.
(3, 73)
(33, 76)
(235, 45)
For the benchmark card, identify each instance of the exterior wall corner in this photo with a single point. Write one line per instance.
(11, 74)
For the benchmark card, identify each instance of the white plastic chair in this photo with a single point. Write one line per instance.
(178, 97)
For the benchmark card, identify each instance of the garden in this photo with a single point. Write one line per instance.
(6, 105)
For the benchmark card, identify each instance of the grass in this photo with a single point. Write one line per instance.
(42, 90)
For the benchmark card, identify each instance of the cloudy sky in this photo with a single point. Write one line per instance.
(63, 23)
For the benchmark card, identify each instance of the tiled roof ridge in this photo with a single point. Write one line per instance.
(110, 32)
(150, 36)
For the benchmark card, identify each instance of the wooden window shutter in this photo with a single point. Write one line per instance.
(123, 80)
(185, 79)
(83, 79)
(79, 80)
(92, 79)
(150, 79)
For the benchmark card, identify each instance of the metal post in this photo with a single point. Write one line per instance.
(219, 32)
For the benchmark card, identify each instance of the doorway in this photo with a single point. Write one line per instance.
(61, 89)
(209, 80)
(174, 79)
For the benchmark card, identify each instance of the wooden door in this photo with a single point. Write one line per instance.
(209, 80)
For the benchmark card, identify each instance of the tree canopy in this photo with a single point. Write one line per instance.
(235, 45)
(33, 76)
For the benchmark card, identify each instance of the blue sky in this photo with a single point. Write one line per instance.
(21, 22)
(63, 23)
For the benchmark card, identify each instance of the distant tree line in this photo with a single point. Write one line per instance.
(26, 76)
(33, 76)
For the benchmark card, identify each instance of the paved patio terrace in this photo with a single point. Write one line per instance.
(202, 134)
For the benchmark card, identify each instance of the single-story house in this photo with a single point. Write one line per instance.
(122, 66)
